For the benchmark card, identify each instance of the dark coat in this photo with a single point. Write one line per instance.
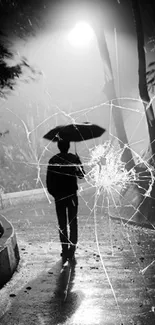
(62, 172)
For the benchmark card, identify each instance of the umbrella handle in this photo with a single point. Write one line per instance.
(75, 148)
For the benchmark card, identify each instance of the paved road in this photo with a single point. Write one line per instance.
(111, 283)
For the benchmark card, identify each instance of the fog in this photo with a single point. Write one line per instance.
(70, 89)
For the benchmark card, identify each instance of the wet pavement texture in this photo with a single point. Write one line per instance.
(111, 282)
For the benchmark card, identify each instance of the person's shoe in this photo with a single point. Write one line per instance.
(72, 252)
(64, 256)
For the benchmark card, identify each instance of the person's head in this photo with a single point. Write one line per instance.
(63, 146)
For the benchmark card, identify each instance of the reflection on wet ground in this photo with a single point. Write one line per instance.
(111, 282)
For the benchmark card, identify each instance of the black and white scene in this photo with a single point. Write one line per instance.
(77, 162)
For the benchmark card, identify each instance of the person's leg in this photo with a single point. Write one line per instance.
(72, 216)
(62, 221)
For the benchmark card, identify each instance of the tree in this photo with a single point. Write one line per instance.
(143, 88)
(9, 74)
(111, 94)
(143, 91)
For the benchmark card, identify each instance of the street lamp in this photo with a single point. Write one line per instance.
(81, 35)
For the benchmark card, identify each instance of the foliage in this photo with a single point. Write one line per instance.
(16, 174)
(10, 73)
(150, 75)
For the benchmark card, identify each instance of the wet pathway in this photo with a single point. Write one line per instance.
(111, 283)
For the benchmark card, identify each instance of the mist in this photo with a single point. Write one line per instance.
(70, 87)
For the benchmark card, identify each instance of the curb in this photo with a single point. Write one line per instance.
(11, 199)
(9, 253)
(134, 223)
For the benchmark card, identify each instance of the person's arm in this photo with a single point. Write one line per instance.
(80, 173)
(51, 178)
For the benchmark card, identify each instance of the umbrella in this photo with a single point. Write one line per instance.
(74, 132)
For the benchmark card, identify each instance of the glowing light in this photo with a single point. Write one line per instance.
(107, 170)
(81, 35)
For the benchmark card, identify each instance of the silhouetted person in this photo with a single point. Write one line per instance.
(62, 172)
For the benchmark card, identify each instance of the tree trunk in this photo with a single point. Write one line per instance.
(149, 202)
(143, 91)
(111, 94)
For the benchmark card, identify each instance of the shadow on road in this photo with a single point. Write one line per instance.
(65, 280)
(38, 301)
(65, 300)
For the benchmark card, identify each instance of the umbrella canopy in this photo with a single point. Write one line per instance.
(74, 132)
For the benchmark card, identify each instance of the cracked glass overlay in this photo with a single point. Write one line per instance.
(108, 188)
(107, 180)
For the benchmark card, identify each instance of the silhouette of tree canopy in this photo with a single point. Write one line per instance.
(9, 74)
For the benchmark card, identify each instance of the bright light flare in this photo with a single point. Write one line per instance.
(108, 172)
(81, 35)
